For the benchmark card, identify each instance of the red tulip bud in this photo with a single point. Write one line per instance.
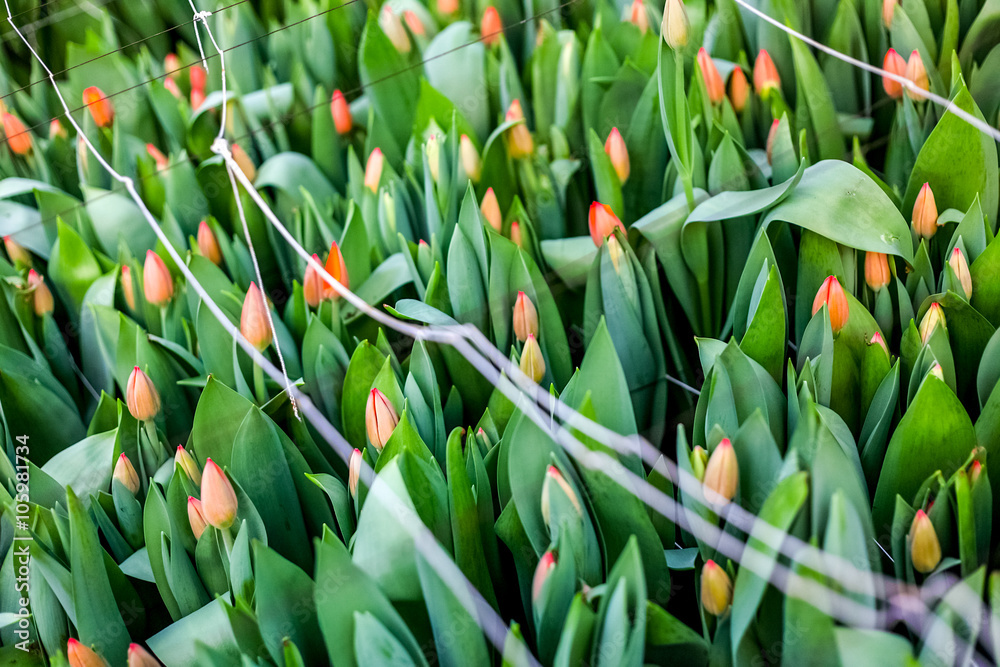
(16, 252)
(894, 64)
(490, 27)
(765, 74)
(960, 266)
(100, 106)
(341, 111)
(638, 16)
(158, 157)
(354, 473)
(79, 655)
(832, 294)
(603, 221)
(199, 77)
(877, 273)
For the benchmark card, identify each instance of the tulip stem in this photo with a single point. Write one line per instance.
(143, 479)
(163, 322)
(258, 383)
(227, 539)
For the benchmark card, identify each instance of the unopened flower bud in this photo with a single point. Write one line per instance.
(41, 296)
(615, 147)
(917, 74)
(433, 148)
(722, 474)
(253, 320)
(545, 565)
(17, 252)
(925, 549)
(925, 213)
(218, 499)
(196, 517)
(171, 63)
(675, 26)
(933, 318)
(125, 473)
(515, 234)
(79, 655)
(341, 112)
(140, 657)
(157, 283)
(772, 136)
(337, 268)
(894, 64)
(739, 89)
(471, 162)
(393, 28)
(18, 136)
(617, 255)
(199, 77)
(602, 221)
(888, 9)
(186, 462)
(490, 209)
(765, 74)
(832, 294)
(876, 270)
(937, 372)
(638, 16)
(56, 130)
(555, 478)
(100, 106)
(128, 288)
(414, 23)
(354, 473)
(716, 589)
(244, 162)
(380, 419)
(710, 73)
(960, 266)
(159, 158)
(373, 169)
(525, 317)
(491, 27)
(172, 87)
(877, 339)
(532, 362)
(208, 244)
(447, 7)
(312, 284)
(519, 141)
(197, 98)
(698, 459)
(141, 397)
(975, 472)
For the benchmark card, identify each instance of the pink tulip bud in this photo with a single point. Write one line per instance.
(615, 147)
(354, 473)
(218, 499)
(128, 288)
(542, 571)
(158, 157)
(373, 170)
(254, 324)
(196, 517)
(41, 296)
(525, 318)
(380, 419)
(140, 657)
(208, 244)
(157, 283)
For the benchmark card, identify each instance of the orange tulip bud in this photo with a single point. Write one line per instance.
(960, 266)
(894, 64)
(490, 27)
(373, 170)
(100, 106)
(471, 162)
(710, 73)
(615, 147)
(739, 90)
(525, 317)
(79, 655)
(716, 589)
(765, 74)
(128, 289)
(125, 473)
(380, 419)
(17, 252)
(18, 136)
(186, 462)
(196, 517)
(917, 73)
(490, 209)
(41, 295)
(675, 25)
(141, 397)
(638, 16)
(199, 77)
(253, 320)
(337, 268)
(542, 570)
(772, 136)
(933, 318)
(341, 112)
(555, 483)
(878, 340)
(925, 549)
(243, 161)
(832, 294)
(312, 284)
(158, 157)
(877, 273)
(393, 28)
(157, 283)
(532, 361)
(140, 657)
(354, 473)
(208, 244)
(515, 234)
(218, 499)
(447, 7)
(519, 141)
(888, 9)
(722, 474)
(925, 213)
(603, 221)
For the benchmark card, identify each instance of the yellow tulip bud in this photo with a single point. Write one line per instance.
(925, 549)
(716, 589)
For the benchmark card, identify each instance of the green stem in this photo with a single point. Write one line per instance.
(143, 477)
(227, 539)
(163, 321)
(258, 383)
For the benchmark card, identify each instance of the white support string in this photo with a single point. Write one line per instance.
(424, 541)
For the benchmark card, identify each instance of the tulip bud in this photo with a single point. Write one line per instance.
(172, 88)
(765, 74)
(56, 130)
(171, 63)
(894, 64)
(100, 106)
(698, 459)
(710, 73)
(616, 253)
(125, 473)
(158, 157)
(42, 296)
(876, 270)
(447, 7)
(937, 372)
(312, 284)
(638, 17)
(471, 162)
(197, 98)
(772, 136)
(925, 549)
(18, 136)
(832, 294)
(961, 269)
(878, 340)
(141, 397)
(532, 362)
(196, 517)
(128, 289)
(354, 473)
(519, 141)
(933, 318)
(675, 25)
(603, 222)
(337, 268)
(218, 499)
(716, 589)
(615, 147)
(208, 244)
(739, 90)
(380, 419)
(553, 476)
(490, 26)
(484, 439)
(79, 655)
(490, 209)
(17, 252)
(157, 283)
(373, 169)
(186, 462)
(393, 28)
(975, 472)
(888, 9)
(244, 162)
(722, 474)
(545, 565)
(925, 213)
(917, 73)
(433, 148)
(341, 112)
(199, 77)
(515, 234)
(253, 320)
(414, 23)
(525, 317)
(140, 657)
